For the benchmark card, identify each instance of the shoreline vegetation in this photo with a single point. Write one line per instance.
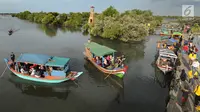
(129, 26)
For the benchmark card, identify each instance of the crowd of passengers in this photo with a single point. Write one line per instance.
(109, 62)
(30, 69)
(166, 62)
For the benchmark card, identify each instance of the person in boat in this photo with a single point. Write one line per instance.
(22, 70)
(192, 57)
(33, 66)
(164, 45)
(98, 61)
(41, 71)
(26, 67)
(12, 58)
(123, 58)
(48, 70)
(180, 39)
(108, 58)
(16, 67)
(38, 73)
(33, 71)
(105, 63)
(163, 62)
(111, 60)
(10, 31)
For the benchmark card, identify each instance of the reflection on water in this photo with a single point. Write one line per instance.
(52, 31)
(60, 91)
(163, 80)
(71, 30)
(98, 78)
(49, 31)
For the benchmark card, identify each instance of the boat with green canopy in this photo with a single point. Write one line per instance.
(98, 55)
(42, 68)
(177, 35)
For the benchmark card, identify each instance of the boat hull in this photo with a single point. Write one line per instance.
(119, 73)
(43, 80)
(163, 69)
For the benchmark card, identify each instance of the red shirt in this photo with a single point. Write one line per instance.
(196, 50)
(33, 66)
(185, 48)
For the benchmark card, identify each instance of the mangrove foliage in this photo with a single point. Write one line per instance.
(131, 25)
(75, 20)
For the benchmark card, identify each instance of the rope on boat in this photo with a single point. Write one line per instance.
(108, 75)
(113, 79)
(3, 72)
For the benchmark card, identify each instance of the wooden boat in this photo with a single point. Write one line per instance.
(166, 43)
(177, 35)
(93, 49)
(170, 59)
(50, 76)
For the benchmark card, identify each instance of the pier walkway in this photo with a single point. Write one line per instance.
(174, 104)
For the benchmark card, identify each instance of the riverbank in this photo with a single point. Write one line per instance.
(174, 104)
(131, 25)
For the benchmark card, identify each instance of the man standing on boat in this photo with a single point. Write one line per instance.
(12, 57)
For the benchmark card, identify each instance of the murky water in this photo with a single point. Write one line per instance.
(91, 93)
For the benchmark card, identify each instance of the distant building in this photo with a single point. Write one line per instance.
(91, 18)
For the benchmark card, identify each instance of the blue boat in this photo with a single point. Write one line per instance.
(56, 69)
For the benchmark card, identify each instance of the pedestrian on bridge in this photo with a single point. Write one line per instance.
(197, 95)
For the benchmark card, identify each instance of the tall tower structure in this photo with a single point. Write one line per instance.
(91, 18)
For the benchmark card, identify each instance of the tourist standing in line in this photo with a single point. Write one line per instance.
(192, 57)
(185, 91)
(197, 95)
(195, 66)
(191, 77)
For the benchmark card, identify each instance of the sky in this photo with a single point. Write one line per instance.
(159, 7)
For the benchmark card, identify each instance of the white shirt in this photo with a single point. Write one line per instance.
(191, 44)
(22, 70)
(195, 64)
(33, 72)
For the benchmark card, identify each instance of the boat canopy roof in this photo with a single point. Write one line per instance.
(165, 32)
(33, 58)
(168, 42)
(164, 37)
(42, 59)
(173, 40)
(99, 50)
(57, 61)
(167, 53)
(177, 33)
